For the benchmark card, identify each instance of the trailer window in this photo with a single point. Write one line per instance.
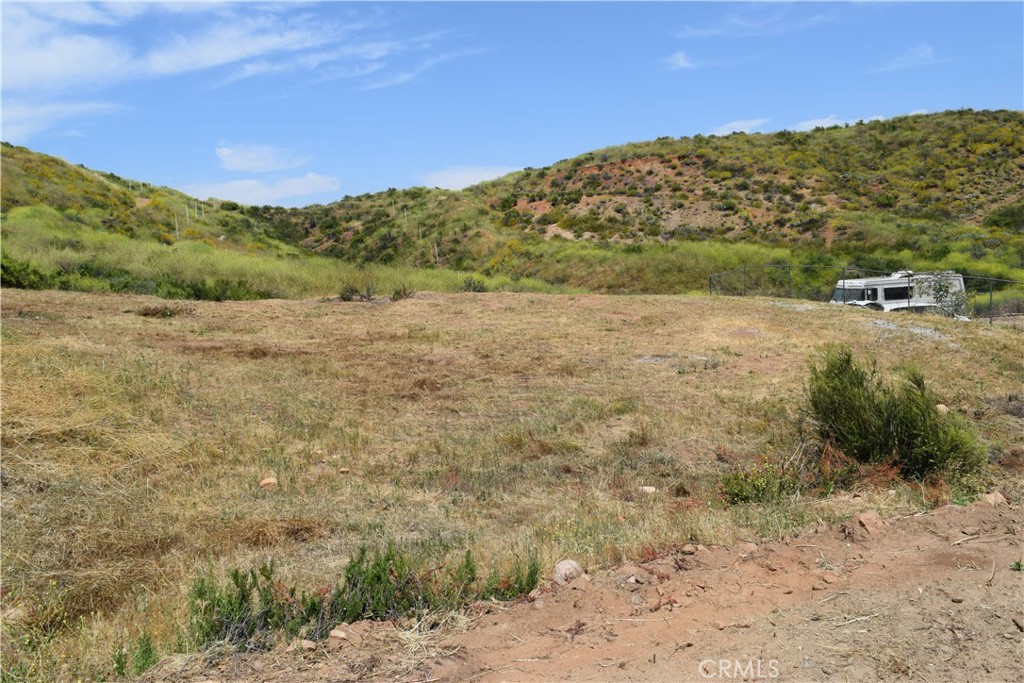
(846, 295)
(871, 294)
(897, 293)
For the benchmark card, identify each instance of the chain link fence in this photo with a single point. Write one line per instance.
(984, 297)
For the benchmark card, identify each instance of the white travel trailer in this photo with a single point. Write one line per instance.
(904, 290)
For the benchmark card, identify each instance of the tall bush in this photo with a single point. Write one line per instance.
(874, 421)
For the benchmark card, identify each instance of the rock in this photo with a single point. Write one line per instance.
(865, 525)
(649, 490)
(566, 571)
(689, 549)
(748, 547)
(344, 470)
(995, 499)
(300, 645)
(720, 625)
(941, 409)
(14, 616)
(268, 483)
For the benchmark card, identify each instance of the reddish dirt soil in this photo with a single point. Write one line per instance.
(930, 597)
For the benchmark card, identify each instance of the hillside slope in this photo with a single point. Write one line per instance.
(926, 191)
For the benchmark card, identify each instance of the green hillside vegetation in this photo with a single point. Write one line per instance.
(938, 191)
(66, 227)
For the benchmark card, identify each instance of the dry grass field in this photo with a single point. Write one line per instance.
(136, 433)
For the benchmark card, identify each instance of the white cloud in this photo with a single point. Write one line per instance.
(741, 126)
(755, 20)
(824, 122)
(229, 43)
(829, 121)
(917, 56)
(257, 158)
(22, 120)
(679, 60)
(259, 192)
(461, 177)
(43, 55)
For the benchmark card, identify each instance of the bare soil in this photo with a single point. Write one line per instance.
(929, 597)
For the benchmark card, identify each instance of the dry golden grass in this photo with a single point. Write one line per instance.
(133, 445)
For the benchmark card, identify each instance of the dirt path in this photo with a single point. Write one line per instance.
(930, 597)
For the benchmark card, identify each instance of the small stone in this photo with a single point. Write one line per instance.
(720, 625)
(689, 549)
(865, 525)
(344, 470)
(268, 483)
(649, 490)
(748, 548)
(307, 644)
(941, 409)
(338, 634)
(995, 499)
(566, 571)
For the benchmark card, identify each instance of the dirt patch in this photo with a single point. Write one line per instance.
(929, 597)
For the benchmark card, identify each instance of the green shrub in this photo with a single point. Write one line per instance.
(474, 284)
(520, 581)
(252, 607)
(21, 274)
(767, 482)
(872, 421)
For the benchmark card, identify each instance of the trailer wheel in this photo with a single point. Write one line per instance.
(874, 307)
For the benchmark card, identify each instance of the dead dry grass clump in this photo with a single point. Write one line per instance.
(516, 426)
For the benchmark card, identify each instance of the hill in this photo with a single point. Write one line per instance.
(935, 191)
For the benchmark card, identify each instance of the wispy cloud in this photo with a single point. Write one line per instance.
(679, 60)
(915, 57)
(258, 192)
(403, 77)
(740, 126)
(21, 120)
(58, 50)
(461, 177)
(758, 21)
(257, 158)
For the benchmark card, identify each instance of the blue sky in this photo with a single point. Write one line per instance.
(294, 103)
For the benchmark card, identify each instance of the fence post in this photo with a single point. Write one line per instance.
(990, 316)
(744, 280)
(789, 280)
(709, 285)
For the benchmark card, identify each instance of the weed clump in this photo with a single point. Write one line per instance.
(876, 422)
(474, 284)
(767, 482)
(253, 608)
